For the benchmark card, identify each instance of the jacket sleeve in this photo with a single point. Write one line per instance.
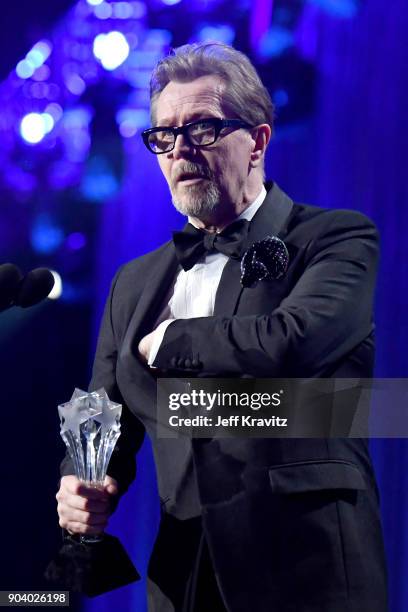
(326, 314)
(122, 465)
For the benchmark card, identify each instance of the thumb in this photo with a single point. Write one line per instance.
(111, 486)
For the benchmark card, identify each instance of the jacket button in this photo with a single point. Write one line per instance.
(173, 362)
(187, 363)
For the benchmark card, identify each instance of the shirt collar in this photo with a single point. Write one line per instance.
(249, 212)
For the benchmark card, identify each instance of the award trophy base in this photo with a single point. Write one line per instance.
(91, 568)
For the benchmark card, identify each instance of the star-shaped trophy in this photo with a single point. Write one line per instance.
(90, 427)
(91, 564)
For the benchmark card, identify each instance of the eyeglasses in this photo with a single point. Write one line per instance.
(201, 133)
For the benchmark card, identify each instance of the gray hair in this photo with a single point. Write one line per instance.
(245, 96)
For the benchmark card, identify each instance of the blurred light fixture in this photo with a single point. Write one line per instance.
(220, 32)
(111, 49)
(340, 8)
(103, 10)
(76, 241)
(46, 236)
(35, 126)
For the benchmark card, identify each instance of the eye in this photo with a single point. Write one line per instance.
(203, 126)
(161, 140)
(202, 133)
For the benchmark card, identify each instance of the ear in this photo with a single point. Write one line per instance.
(261, 136)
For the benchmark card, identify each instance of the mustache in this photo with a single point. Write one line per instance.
(191, 168)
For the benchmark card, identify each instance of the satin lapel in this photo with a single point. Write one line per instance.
(151, 301)
(269, 220)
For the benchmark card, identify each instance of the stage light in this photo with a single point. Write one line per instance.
(139, 9)
(111, 49)
(25, 69)
(76, 241)
(55, 110)
(35, 126)
(39, 90)
(77, 118)
(42, 73)
(99, 183)
(103, 11)
(131, 119)
(94, 2)
(122, 10)
(56, 291)
(275, 42)
(39, 53)
(171, 2)
(340, 8)
(46, 236)
(221, 33)
(75, 84)
(280, 98)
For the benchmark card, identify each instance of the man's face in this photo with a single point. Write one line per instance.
(204, 182)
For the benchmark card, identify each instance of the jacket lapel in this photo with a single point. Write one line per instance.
(269, 220)
(161, 275)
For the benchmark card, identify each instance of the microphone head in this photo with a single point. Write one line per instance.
(10, 277)
(35, 287)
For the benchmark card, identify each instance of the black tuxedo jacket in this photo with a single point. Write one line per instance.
(292, 525)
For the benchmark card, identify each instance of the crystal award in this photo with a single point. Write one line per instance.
(90, 427)
(91, 564)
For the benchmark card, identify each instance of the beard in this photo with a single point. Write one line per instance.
(196, 200)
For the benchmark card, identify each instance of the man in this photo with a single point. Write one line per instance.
(266, 525)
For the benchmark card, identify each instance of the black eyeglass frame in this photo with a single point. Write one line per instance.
(219, 125)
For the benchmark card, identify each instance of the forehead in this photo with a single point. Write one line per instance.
(180, 102)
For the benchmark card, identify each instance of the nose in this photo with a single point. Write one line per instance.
(181, 147)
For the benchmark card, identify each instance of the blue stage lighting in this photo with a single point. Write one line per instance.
(220, 32)
(340, 8)
(35, 126)
(103, 10)
(275, 42)
(280, 98)
(122, 10)
(131, 119)
(46, 236)
(34, 59)
(76, 241)
(99, 182)
(39, 53)
(171, 2)
(75, 84)
(55, 110)
(111, 49)
(94, 2)
(25, 69)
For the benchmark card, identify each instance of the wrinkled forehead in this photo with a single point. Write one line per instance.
(181, 102)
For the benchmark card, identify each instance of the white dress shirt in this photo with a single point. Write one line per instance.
(193, 291)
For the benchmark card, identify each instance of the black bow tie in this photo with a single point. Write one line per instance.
(192, 243)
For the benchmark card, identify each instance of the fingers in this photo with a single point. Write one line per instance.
(84, 509)
(74, 486)
(79, 502)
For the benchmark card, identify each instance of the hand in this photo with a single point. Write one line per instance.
(83, 509)
(145, 345)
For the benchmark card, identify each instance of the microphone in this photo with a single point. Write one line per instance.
(10, 278)
(16, 290)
